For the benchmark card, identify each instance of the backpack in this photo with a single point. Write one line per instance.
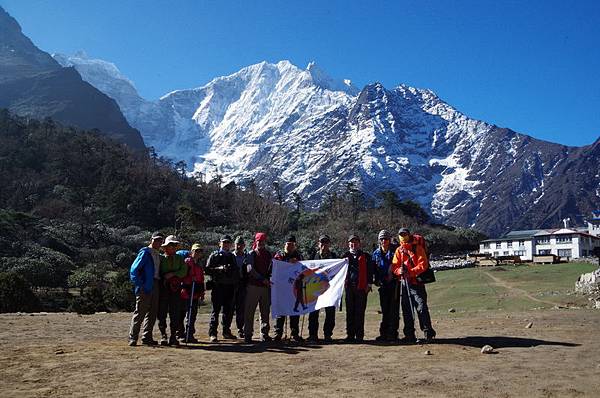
(428, 275)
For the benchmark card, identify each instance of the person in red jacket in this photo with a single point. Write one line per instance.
(258, 291)
(358, 285)
(195, 279)
(410, 260)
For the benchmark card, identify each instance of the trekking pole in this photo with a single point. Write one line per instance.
(303, 307)
(189, 315)
(405, 280)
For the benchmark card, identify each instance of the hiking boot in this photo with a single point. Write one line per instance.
(229, 336)
(213, 339)
(349, 339)
(328, 339)
(429, 335)
(192, 340)
(164, 341)
(265, 338)
(241, 334)
(150, 342)
(173, 341)
(312, 339)
(132, 343)
(278, 338)
(297, 338)
(381, 338)
(248, 340)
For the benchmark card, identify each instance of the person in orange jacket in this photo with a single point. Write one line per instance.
(410, 260)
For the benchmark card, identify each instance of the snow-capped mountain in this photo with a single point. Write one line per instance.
(314, 134)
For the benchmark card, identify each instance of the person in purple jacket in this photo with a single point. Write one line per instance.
(144, 273)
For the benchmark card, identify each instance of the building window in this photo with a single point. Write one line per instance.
(544, 240)
(519, 252)
(505, 254)
(486, 245)
(564, 252)
(521, 243)
(563, 239)
(498, 245)
(509, 243)
(544, 252)
(496, 254)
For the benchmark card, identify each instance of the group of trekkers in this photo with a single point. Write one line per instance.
(170, 281)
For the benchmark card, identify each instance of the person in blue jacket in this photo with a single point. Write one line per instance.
(144, 273)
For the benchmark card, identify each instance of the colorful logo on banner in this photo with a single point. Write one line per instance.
(309, 285)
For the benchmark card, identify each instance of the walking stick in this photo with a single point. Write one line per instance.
(303, 307)
(189, 315)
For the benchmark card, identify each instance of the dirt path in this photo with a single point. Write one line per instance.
(516, 291)
(57, 355)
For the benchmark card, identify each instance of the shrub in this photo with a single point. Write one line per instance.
(16, 294)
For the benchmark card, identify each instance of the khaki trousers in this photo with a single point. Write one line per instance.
(261, 296)
(146, 309)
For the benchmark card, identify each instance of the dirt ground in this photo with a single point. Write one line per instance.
(69, 355)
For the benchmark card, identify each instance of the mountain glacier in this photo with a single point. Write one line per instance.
(314, 135)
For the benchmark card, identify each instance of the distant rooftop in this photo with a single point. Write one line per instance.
(522, 234)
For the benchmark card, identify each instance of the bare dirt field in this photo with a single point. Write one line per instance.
(69, 355)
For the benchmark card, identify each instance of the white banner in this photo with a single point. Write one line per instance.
(306, 286)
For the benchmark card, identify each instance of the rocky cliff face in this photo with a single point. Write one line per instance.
(33, 84)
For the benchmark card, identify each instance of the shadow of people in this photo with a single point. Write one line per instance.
(278, 348)
(501, 342)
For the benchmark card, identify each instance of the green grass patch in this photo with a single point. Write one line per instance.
(516, 288)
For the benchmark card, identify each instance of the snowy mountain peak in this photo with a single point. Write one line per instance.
(322, 79)
(100, 67)
(314, 134)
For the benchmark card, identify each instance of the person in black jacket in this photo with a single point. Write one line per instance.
(389, 293)
(289, 254)
(324, 253)
(239, 304)
(224, 273)
(358, 285)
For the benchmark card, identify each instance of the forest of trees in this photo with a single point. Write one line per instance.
(75, 207)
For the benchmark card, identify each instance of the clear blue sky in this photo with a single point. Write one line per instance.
(532, 66)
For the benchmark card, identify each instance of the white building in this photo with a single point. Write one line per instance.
(515, 243)
(565, 243)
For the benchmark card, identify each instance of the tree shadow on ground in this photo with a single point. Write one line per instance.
(501, 342)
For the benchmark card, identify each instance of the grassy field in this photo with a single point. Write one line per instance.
(507, 288)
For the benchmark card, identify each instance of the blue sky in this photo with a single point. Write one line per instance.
(532, 66)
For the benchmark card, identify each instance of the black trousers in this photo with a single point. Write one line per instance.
(222, 298)
(294, 325)
(418, 298)
(356, 304)
(389, 300)
(313, 322)
(169, 303)
(239, 306)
